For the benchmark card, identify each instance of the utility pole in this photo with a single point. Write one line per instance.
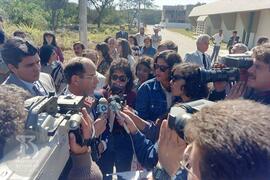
(139, 15)
(83, 22)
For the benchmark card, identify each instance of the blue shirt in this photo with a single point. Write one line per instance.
(151, 100)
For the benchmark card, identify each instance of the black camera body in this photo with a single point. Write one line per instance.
(214, 75)
(181, 113)
(241, 61)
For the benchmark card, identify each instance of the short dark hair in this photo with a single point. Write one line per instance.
(233, 140)
(262, 40)
(134, 39)
(15, 49)
(169, 56)
(45, 53)
(74, 67)
(169, 45)
(122, 65)
(18, 32)
(235, 32)
(78, 43)
(193, 87)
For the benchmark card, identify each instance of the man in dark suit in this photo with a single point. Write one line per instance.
(23, 62)
(199, 56)
(122, 33)
(233, 40)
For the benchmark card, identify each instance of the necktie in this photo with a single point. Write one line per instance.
(204, 61)
(37, 92)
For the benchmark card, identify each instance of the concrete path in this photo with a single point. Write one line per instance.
(185, 44)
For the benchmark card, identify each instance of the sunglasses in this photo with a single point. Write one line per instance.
(162, 68)
(120, 78)
(176, 77)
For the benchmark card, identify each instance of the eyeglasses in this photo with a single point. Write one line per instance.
(120, 78)
(176, 77)
(185, 163)
(162, 68)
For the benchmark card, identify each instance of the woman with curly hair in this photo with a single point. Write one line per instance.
(185, 83)
(119, 151)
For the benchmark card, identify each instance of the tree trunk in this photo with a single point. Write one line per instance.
(83, 22)
(53, 20)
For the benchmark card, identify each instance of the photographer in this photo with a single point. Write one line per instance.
(224, 142)
(257, 87)
(184, 84)
(12, 122)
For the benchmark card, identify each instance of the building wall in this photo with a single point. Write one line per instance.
(226, 32)
(263, 25)
(239, 27)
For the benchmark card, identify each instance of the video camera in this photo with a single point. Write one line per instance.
(233, 63)
(44, 148)
(179, 115)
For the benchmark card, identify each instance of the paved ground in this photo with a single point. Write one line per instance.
(185, 44)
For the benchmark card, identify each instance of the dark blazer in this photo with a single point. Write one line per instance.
(122, 35)
(44, 79)
(233, 41)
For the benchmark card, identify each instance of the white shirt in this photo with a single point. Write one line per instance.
(156, 39)
(140, 39)
(101, 81)
(217, 39)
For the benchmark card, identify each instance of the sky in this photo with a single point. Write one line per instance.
(160, 3)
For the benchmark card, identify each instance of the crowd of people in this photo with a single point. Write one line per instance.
(228, 140)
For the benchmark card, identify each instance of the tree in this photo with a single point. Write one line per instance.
(101, 6)
(133, 8)
(54, 7)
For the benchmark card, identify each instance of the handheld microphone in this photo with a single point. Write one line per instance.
(102, 106)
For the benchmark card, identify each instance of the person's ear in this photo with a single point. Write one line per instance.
(75, 79)
(12, 68)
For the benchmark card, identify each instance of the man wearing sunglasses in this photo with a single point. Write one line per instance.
(199, 56)
(23, 62)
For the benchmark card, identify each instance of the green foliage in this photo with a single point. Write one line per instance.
(150, 16)
(25, 11)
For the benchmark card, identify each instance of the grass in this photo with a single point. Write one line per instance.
(66, 38)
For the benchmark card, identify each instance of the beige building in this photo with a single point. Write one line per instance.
(251, 19)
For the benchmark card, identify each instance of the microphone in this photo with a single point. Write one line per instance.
(102, 106)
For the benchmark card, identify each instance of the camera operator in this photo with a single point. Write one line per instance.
(220, 87)
(224, 142)
(12, 122)
(23, 62)
(258, 80)
(82, 80)
(184, 84)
